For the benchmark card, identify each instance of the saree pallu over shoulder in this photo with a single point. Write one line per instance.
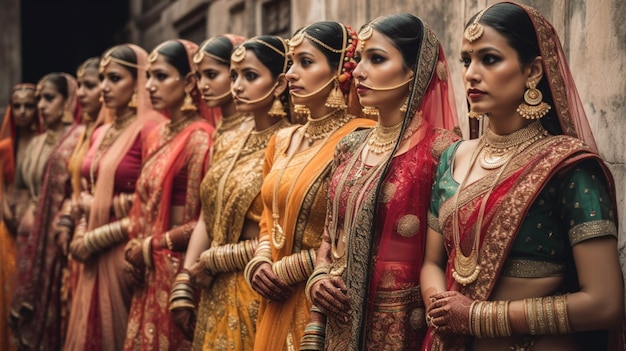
(386, 307)
(7, 252)
(150, 325)
(506, 209)
(38, 312)
(302, 215)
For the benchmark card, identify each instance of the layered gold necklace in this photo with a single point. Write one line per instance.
(466, 268)
(319, 128)
(383, 139)
(314, 129)
(499, 149)
(230, 122)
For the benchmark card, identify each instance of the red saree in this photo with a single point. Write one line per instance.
(150, 326)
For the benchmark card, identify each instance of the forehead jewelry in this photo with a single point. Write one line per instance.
(202, 52)
(239, 54)
(107, 58)
(364, 35)
(475, 30)
(154, 55)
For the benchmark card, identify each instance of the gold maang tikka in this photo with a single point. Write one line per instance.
(475, 30)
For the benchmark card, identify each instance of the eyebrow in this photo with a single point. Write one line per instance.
(482, 50)
(375, 49)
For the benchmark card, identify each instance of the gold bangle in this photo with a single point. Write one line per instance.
(147, 251)
(168, 241)
(560, 304)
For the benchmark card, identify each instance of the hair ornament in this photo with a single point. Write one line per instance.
(154, 55)
(364, 35)
(202, 52)
(239, 54)
(475, 30)
(107, 58)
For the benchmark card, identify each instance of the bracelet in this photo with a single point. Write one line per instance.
(251, 267)
(547, 315)
(489, 319)
(147, 251)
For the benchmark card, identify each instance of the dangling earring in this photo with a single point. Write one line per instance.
(371, 112)
(302, 111)
(405, 105)
(533, 107)
(277, 110)
(133, 100)
(67, 118)
(475, 115)
(188, 104)
(335, 99)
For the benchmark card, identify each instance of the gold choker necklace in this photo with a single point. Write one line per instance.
(175, 127)
(499, 149)
(383, 138)
(257, 140)
(123, 121)
(231, 122)
(319, 128)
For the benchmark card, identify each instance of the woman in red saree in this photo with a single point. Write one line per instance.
(366, 279)
(38, 313)
(167, 203)
(110, 168)
(20, 125)
(521, 248)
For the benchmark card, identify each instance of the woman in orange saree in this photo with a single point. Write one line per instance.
(521, 248)
(167, 203)
(38, 314)
(231, 203)
(366, 279)
(296, 166)
(110, 168)
(20, 125)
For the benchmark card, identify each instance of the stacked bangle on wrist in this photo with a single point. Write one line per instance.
(182, 294)
(229, 257)
(547, 315)
(262, 254)
(313, 337)
(296, 267)
(320, 272)
(105, 236)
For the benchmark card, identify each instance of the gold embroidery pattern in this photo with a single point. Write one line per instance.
(593, 229)
(408, 225)
(524, 268)
(433, 222)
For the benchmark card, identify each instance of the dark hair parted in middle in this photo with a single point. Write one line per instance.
(405, 32)
(175, 54)
(272, 51)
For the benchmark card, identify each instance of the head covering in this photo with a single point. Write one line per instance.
(568, 106)
(103, 194)
(8, 134)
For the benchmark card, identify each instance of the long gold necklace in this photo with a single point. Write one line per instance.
(500, 148)
(466, 268)
(110, 136)
(355, 198)
(321, 130)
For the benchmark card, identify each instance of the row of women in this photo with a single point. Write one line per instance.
(311, 194)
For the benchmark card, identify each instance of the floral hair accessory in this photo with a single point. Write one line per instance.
(239, 54)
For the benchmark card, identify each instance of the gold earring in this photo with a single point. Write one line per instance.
(67, 118)
(301, 110)
(335, 99)
(277, 110)
(133, 100)
(405, 105)
(371, 112)
(533, 107)
(188, 104)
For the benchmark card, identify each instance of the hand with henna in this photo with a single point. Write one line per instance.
(135, 266)
(448, 313)
(185, 319)
(78, 250)
(200, 277)
(329, 295)
(268, 285)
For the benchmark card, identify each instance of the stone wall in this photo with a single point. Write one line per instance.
(593, 34)
(10, 50)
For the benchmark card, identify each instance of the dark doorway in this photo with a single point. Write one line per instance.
(59, 35)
